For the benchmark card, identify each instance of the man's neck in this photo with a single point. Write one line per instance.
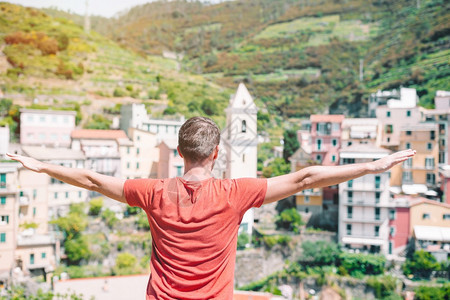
(197, 172)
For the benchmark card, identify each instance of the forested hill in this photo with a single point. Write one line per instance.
(297, 56)
(301, 56)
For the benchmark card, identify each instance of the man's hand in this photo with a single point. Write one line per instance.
(387, 162)
(28, 162)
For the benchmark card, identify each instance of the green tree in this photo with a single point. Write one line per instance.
(95, 206)
(71, 225)
(98, 122)
(290, 143)
(209, 107)
(242, 240)
(77, 249)
(358, 264)
(126, 263)
(421, 265)
(289, 219)
(320, 253)
(276, 167)
(432, 293)
(109, 217)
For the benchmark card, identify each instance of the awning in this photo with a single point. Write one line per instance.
(432, 233)
(362, 241)
(414, 189)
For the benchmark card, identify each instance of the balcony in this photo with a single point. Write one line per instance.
(362, 203)
(363, 220)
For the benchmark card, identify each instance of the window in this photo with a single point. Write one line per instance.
(307, 199)
(408, 132)
(407, 164)
(431, 178)
(392, 231)
(43, 255)
(319, 158)
(377, 213)
(128, 150)
(350, 196)
(137, 151)
(4, 219)
(67, 195)
(55, 195)
(34, 211)
(429, 146)
(3, 200)
(377, 230)
(319, 144)
(388, 139)
(79, 194)
(336, 127)
(349, 212)
(334, 142)
(432, 135)
(389, 128)
(347, 161)
(391, 246)
(350, 183)
(128, 165)
(392, 214)
(3, 237)
(408, 146)
(408, 113)
(407, 177)
(349, 229)
(388, 114)
(446, 217)
(32, 259)
(34, 194)
(179, 171)
(3, 181)
(137, 165)
(429, 162)
(244, 126)
(42, 119)
(333, 158)
(138, 137)
(426, 216)
(377, 182)
(243, 158)
(377, 197)
(175, 153)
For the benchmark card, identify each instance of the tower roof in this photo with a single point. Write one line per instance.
(242, 99)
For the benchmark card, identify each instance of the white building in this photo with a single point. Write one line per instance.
(46, 127)
(364, 203)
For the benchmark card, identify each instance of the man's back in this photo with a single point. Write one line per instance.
(194, 228)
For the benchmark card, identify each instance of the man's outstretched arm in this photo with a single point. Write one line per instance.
(111, 187)
(320, 176)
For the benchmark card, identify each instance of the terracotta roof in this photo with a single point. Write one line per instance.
(327, 118)
(421, 200)
(98, 134)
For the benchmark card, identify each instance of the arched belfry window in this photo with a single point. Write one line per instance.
(244, 126)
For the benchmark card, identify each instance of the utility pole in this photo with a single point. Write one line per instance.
(361, 69)
(87, 20)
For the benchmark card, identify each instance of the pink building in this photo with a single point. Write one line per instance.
(444, 174)
(326, 138)
(326, 131)
(170, 162)
(399, 225)
(46, 127)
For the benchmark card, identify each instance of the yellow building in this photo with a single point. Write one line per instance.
(424, 212)
(418, 175)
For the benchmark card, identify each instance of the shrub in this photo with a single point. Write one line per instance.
(384, 286)
(358, 265)
(289, 219)
(95, 206)
(320, 253)
(109, 217)
(242, 240)
(77, 249)
(431, 293)
(421, 265)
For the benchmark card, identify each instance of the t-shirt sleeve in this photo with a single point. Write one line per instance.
(248, 193)
(139, 192)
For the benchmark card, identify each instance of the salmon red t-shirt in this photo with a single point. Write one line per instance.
(194, 226)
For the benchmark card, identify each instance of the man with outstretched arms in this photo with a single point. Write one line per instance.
(194, 219)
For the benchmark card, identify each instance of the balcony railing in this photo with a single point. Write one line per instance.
(363, 220)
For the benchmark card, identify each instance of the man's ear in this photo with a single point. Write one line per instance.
(179, 152)
(216, 152)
